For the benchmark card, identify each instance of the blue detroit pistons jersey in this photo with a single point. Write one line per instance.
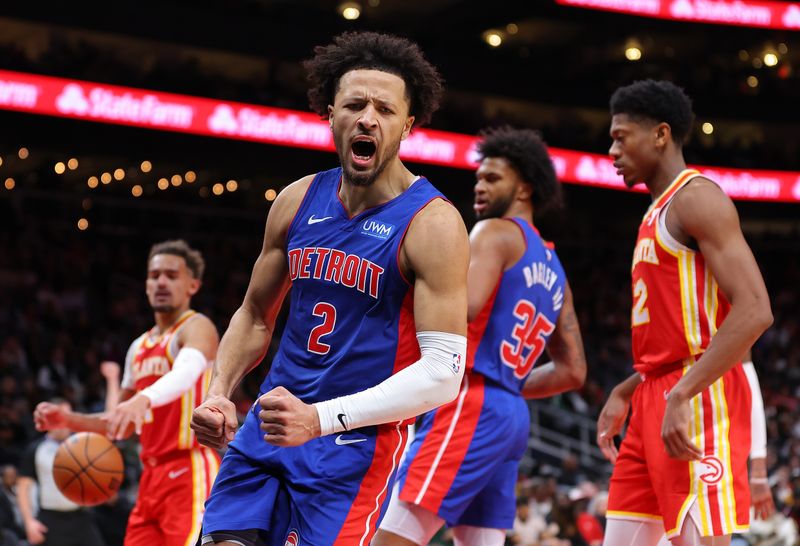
(351, 321)
(512, 329)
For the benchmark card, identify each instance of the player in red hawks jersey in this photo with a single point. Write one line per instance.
(167, 372)
(699, 303)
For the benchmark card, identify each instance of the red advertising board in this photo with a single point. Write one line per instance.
(170, 112)
(749, 13)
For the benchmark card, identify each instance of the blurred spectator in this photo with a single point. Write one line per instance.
(531, 529)
(778, 530)
(565, 517)
(11, 530)
(111, 372)
(111, 518)
(57, 376)
(588, 500)
(571, 472)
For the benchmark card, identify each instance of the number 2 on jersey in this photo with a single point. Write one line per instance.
(328, 314)
(640, 315)
(528, 334)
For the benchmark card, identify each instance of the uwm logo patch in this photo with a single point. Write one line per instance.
(375, 228)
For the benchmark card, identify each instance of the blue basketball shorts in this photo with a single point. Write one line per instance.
(462, 464)
(331, 490)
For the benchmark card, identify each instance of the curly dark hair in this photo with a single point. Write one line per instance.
(371, 50)
(660, 101)
(179, 247)
(527, 153)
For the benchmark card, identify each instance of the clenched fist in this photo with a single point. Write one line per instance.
(214, 421)
(287, 420)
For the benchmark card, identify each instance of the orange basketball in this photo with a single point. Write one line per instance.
(88, 468)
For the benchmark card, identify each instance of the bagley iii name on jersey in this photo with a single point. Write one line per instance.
(540, 273)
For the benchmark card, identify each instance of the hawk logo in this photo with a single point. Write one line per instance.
(715, 470)
(292, 539)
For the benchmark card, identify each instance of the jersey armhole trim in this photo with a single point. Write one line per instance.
(172, 348)
(127, 367)
(664, 237)
(517, 222)
(292, 223)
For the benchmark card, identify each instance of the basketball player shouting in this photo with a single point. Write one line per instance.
(377, 264)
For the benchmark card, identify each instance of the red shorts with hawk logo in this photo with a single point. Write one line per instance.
(647, 484)
(172, 493)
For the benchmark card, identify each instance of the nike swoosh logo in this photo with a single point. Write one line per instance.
(343, 442)
(341, 420)
(313, 220)
(175, 473)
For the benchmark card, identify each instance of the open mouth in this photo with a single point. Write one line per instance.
(363, 151)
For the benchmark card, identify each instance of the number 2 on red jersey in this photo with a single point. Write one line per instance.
(640, 314)
(527, 335)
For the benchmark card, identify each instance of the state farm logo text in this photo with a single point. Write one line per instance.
(18, 94)
(103, 103)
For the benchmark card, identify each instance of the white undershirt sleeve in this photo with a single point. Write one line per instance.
(428, 383)
(189, 365)
(128, 381)
(758, 421)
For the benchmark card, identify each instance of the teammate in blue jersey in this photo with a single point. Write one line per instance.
(462, 464)
(377, 263)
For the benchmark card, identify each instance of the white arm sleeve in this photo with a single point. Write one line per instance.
(758, 422)
(189, 365)
(431, 381)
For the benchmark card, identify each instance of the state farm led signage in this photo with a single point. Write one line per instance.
(223, 119)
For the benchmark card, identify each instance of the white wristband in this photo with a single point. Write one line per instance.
(189, 365)
(431, 381)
